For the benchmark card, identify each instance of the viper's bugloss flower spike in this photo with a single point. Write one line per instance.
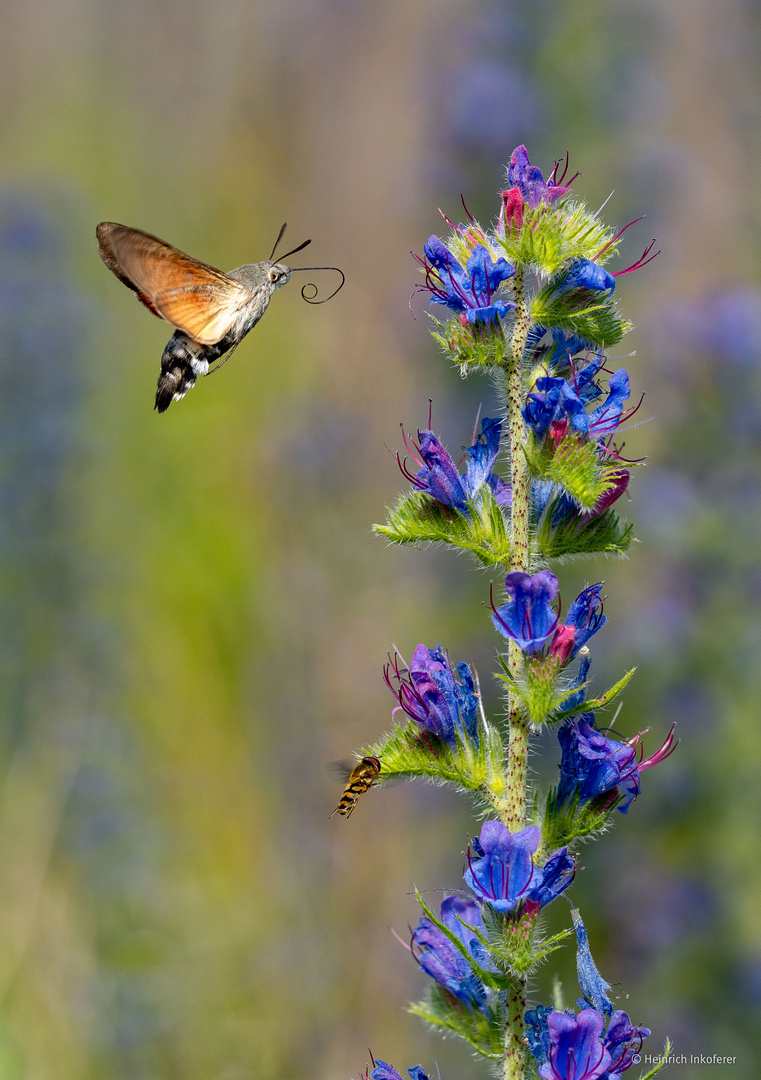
(502, 873)
(439, 958)
(527, 618)
(594, 766)
(467, 289)
(438, 475)
(431, 695)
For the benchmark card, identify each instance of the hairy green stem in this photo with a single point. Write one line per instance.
(518, 724)
(515, 808)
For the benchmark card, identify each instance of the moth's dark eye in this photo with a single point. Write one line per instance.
(275, 275)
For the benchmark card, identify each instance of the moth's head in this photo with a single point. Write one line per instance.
(278, 274)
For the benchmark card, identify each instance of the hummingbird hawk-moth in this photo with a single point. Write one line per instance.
(211, 311)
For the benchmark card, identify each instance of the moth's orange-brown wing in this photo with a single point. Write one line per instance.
(195, 298)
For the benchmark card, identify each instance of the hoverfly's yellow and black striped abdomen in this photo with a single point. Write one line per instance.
(362, 776)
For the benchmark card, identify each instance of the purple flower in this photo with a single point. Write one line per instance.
(528, 188)
(527, 617)
(576, 1049)
(503, 873)
(469, 289)
(440, 959)
(593, 766)
(623, 1041)
(431, 695)
(384, 1071)
(438, 475)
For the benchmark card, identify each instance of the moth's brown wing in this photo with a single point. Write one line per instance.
(196, 298)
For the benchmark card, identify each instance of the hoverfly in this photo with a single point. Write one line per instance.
(362, 776)
(211, 311)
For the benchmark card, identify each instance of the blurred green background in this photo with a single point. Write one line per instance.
(193, 613)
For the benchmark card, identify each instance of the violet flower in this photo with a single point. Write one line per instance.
(431, 695)
(440, 959)
(528, 188)
(438, 475)
(527, 617)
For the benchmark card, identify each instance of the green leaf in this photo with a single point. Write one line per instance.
(568, 538)
(592, 704)
(576, 465)
(470, 346)
(417, 518)
(662, 1063)
(516, 943)
(586, 312)
(552, 236)
(484, 1031)
(564, 824)
(410, 751)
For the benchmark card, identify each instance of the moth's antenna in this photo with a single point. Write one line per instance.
(279, 238)
(310, 284)
(293, 252)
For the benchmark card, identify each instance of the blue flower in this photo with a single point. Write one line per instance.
(593, 766)
(593, 986)
(538, 1033)
(431, 695)
(585, 617)
(527, 617)
(609, 416)
(586, 276)
(438, 475)
(554, 349)
(440, 959)
(469, 289)
(553, 402)
(503, 873)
